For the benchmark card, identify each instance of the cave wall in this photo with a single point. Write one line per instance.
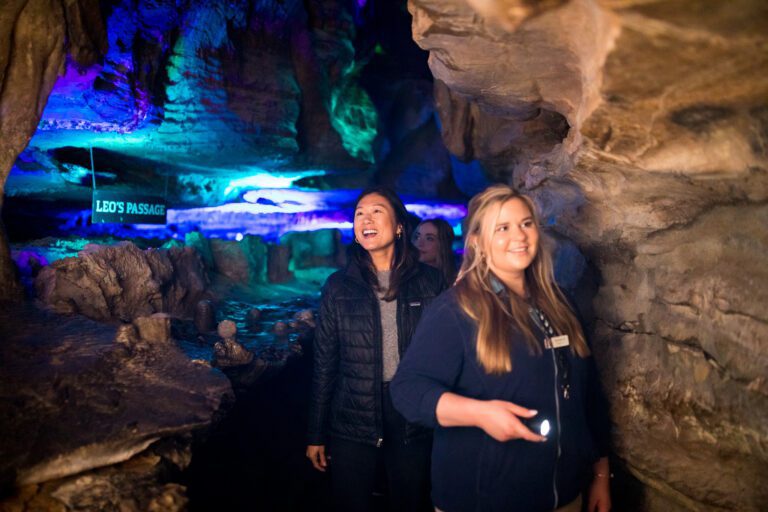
(32, 55)
(640, 128)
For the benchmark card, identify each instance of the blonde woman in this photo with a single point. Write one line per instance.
(499, 366)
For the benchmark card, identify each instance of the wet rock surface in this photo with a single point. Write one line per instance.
(74, 400)
(105, 416)
(143, 483)
(254, 458)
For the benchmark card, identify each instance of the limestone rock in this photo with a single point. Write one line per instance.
(123, 282)
(253, 319)
(202, 245)
(230, 353)
(278, 263)
(32, 55)
(242, 262)
(306, 317)
(420, 164)
(127, 335)
(82, 402)
(136, 484)
(511, 98)
(155, 328)
(280, 329)
(639, 128)
(205, 316)
(319, 248)
(227, 329)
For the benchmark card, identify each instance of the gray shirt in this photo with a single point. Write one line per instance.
(390, 351)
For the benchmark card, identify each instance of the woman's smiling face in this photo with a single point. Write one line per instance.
(514, 240)
(375, 224)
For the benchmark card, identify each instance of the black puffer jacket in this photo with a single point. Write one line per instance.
(346, 384)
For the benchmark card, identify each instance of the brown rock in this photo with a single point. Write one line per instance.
(65, 371)
(205, 316)
(242, 262)
(229, 353)
(278, 264)
(280, 328)
(308, 249)
(306, 317)
(32, 55)
(227, 329)
(660, 175)
(155, 328)
(123, 282)
(127, 335)
(253, 319)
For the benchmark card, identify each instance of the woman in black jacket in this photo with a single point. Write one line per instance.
(368, 313)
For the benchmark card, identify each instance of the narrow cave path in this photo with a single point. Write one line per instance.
(254, 460)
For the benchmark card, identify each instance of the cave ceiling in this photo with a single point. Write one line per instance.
(188, 97)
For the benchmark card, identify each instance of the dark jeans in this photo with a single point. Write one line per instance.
(353, 468)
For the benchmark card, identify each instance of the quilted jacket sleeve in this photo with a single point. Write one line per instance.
(326, 364)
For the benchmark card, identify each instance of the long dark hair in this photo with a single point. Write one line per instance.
(405, 256)
(446, 261)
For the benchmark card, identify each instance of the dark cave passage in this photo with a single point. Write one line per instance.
(254, 458)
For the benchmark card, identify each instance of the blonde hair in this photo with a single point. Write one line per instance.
(497, 314)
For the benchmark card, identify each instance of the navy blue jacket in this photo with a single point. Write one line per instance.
(470, 470)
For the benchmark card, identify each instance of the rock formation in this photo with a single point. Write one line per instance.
(640, 128)
(32, 55)
(86, 397)
(122, 282)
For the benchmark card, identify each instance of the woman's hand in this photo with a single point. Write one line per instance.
(600, 490)
(499, 419)
(316, 454)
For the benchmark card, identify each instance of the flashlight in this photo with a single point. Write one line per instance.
(538, 426)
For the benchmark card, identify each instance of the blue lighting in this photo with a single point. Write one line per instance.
(268, 213)
(262, 178)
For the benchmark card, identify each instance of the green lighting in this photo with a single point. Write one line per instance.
(354, 116)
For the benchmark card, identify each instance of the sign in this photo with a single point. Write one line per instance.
(123, 208)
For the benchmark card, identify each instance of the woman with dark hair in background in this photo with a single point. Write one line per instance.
(368, 312)
(434, 240)
(500, 366)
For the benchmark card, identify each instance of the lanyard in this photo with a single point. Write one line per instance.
(560, 357)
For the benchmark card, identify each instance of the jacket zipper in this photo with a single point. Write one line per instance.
(377, 380)
(557, 419)
(401, 305)
(534, 316)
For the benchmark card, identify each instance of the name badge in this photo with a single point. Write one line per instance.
(559, 341)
